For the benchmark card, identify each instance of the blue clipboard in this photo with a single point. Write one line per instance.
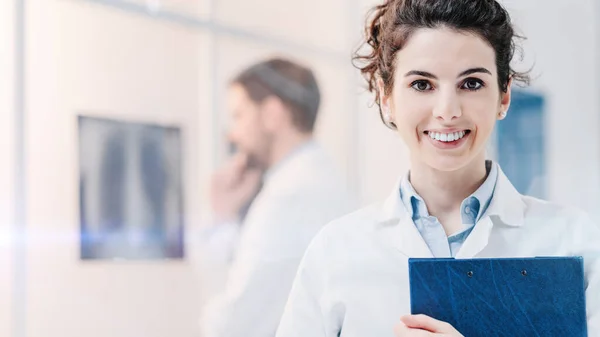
(543, 296)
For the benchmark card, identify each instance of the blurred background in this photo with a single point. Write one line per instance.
(165, 64)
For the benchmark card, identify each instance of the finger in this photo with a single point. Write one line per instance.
(232, 172)
(426, 323)
(240, 160)
(401, 330)
(250, 180)
(253, 174)
(250, 175)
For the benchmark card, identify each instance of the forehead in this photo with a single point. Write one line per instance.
(444, 52)
(237, 97)
(236, 93)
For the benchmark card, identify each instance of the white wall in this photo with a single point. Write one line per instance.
(84, 58)
(7, 66)
(383, 155)
(563, 44)
(328, 27)
(201, 8)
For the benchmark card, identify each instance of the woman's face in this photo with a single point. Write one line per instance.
(446, 99)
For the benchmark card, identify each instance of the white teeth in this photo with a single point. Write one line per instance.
(447, 137)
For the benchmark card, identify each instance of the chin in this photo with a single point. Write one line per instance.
(448, 163)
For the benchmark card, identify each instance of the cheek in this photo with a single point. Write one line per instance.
(482, 113)
(242, 129)
(408, 129)
(413, 114)
(254, 130)
(248, 123)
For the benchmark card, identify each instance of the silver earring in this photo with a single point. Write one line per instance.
(388, 120)
(386, 116)
(502, 114)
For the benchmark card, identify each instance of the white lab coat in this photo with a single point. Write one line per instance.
(299, 197)
(353, 280)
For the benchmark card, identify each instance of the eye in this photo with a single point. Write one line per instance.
(421, 85)
(472, 84)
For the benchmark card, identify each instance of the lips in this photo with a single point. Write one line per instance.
(448, 139)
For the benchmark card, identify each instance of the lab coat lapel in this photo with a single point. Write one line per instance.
(412, 243)
(477, 240)
(398, 230)
(506, 209)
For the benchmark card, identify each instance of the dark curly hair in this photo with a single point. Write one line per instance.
(390, 25)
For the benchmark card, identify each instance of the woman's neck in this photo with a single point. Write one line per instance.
(443, 191)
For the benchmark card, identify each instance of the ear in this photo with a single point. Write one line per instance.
(505, 98)
(274, 114)
(385, 103)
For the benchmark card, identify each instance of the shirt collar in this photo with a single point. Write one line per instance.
(507, 204)
(478, 201)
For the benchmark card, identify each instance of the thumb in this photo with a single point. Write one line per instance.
(239, 161)
(426, 323)
(235, 168)
(401, 330)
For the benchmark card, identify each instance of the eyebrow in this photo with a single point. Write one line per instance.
(474, 70)
(420, 73)
(464, 73)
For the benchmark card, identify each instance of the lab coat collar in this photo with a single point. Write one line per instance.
(396, 226)
(507, 203)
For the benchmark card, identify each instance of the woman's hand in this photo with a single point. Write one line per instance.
(422, 326)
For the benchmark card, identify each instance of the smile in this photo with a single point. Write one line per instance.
(447, 137)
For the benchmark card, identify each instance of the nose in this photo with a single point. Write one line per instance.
(447, 106)
(230, 135)
(231, 141)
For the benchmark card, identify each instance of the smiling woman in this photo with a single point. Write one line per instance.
(440, 71)
(458, 93)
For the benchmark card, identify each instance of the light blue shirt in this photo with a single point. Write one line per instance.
(472, 208)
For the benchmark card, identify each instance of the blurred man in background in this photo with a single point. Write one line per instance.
(274, 106)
